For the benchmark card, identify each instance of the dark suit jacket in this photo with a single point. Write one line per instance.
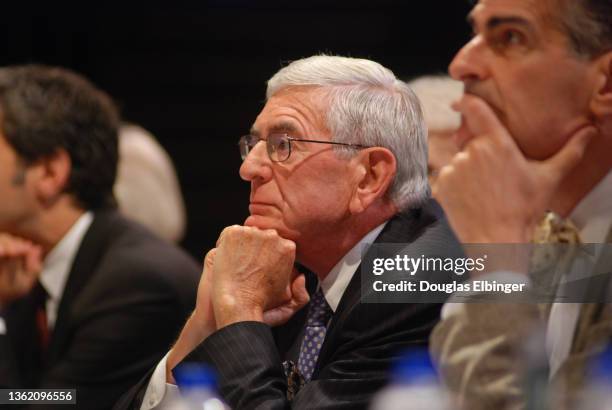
(127, 295)
(361, 342)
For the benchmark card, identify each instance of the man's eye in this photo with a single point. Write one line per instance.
(510, 38)
(283, 145)
(513, 37)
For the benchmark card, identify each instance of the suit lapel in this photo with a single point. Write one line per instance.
(402, 228)
(90, 252)
(24, 363)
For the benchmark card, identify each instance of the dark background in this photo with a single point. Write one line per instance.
(194, 74)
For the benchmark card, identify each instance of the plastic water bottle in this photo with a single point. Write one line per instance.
(414, 386)
(597, 395)
(198, 385)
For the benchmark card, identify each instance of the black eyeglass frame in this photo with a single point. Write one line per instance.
(245, 147)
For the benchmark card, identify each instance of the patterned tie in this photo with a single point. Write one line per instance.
(319, 314)
(555, 229)
(549, 234)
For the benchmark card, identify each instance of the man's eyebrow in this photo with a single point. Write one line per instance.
(284, 126)
(497, 21)
(494, 22)
(281, 127)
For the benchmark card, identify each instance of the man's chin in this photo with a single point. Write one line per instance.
(261, 222)
(265, 222)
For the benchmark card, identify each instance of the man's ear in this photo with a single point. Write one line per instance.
(51, 175)
(601, 103)
(376, 168)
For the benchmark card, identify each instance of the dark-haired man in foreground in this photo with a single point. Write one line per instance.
(88, 300)
(536, 136)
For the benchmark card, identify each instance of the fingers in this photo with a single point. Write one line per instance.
(33, 259)
(478, 117)
(20, 265)
(239, 228)
(223, 233)
(209, 259)
(299, 291)
(564, 161)
(13, 249)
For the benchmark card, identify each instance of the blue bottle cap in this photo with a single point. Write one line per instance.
(414, 366)
(601, 366)
(194, 375)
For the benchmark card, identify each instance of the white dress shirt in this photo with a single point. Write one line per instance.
(159, 393)
(56, 267)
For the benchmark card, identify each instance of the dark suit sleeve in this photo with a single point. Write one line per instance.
(251, 374)
(115, 345)
(248, 366)
(122, 324)
(134, 397)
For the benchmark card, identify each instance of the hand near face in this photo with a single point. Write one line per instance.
(252, 274)
(203, 313)
(490, 192)
(20, 265)
(221, 300)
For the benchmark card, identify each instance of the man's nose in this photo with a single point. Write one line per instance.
(257, 164)
(468, 64)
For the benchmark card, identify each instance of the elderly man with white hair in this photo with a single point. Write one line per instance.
(336, 161)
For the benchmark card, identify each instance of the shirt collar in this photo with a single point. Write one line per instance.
(593, 215)
(336, 282)
(58, 262)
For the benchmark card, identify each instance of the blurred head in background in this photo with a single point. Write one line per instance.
(58, 150)
(436, 93)
(147, 187)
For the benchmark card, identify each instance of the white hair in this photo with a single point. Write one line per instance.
(368, 105)
(436, 94)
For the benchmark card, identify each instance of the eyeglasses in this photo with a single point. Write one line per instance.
(279, 145)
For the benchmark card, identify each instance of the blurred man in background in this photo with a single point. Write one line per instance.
(88, 300)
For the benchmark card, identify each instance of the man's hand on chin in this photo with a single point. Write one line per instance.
(490, 192)
(248, 277)
(253, 273)
(20, 266)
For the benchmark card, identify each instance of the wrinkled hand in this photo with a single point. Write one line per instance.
(200, 324)
(490, 192)
(203, 312)
(299, 298)
(252, 274)
(20, 265)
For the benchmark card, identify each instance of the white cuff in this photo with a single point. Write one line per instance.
(159, 393)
